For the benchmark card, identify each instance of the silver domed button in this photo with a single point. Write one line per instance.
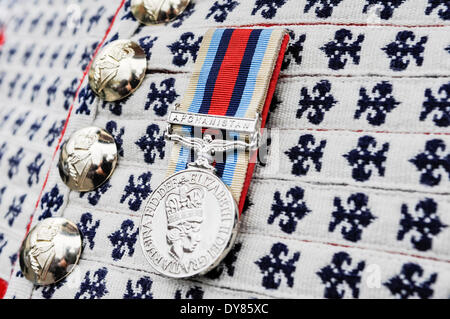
(157, 11)
(50, 251)
(118, 70)
(87, 159)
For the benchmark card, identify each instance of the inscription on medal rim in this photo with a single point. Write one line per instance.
(183, 199)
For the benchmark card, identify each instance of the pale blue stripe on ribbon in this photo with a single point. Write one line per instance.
(206, 68)
(258, 57)
(260, 51)
(199, 92)
(230, 164)
(182, 159)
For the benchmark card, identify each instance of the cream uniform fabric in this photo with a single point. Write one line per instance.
(352, 203)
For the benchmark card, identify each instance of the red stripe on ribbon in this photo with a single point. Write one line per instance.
(229, 70)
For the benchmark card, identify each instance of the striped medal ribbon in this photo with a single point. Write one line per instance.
(190, 221)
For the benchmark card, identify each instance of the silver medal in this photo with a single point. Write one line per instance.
(190, 221)
(189, 224)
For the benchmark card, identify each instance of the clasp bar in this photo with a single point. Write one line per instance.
(207, 147)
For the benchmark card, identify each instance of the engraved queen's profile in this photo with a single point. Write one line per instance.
(42, 252)
(79, 158)
(107, 67)
(184, 211)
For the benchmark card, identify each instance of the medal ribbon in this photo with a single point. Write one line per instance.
(235, 75)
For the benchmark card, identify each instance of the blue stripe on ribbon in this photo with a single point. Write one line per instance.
(182, 158)
(230, 165)
(206, 68)
(214, 72)
(243, 72)
(254, 70)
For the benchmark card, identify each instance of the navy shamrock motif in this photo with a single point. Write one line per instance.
(422, 224)
(88, 228)
(268, 8)
(387, 7)
(49, 291)
(377, 104)
(86, 98)
(137, 191)
(19, 122)
(23, 87)
(93, 286)
(411, 283)
(69, 55)
(220, 9)
(227, 265)
(340, 275)
(2, 192)
(54, 132)
(51, 202)
(35, 127)
(161, 96)
(366, 158)
(324, 8)
(117, 133)
(27, 54)
(294, 50)
(306, 152)
(342, 49)
(195, 292)
(437, 106)
(14, 162)
(87, 55)
(185, 48)
(278, 265)
(316, 103)
(127, 15)
(289, 210)
(432, 163)
(94, 196)
(3, 242)
(441, 6)
(146, 44)
(15, 209)
(3, 149)
(190, 9)
(12, 85)
(141, 289)
(49, 23)
(351, 218)
(116, 106)
(124, 239)
(152, 143)
(94, 19)
(51, 91)
(405, 49)
(69, 93)
(34, 169)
